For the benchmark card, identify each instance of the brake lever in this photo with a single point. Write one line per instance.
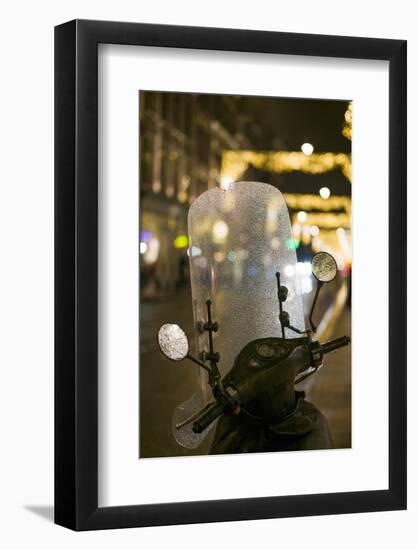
(194, 416)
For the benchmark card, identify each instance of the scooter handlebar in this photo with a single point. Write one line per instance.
(335, 344)
(218, 408)
(208, 417)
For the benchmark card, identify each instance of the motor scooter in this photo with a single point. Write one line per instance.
(251, 397)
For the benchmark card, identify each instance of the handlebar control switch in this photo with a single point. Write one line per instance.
(233, 398)
(316, 354)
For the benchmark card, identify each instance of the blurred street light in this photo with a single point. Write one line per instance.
(307, 149)
(302, 216)
(324, 192)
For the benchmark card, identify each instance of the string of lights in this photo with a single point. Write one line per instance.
(235, 163)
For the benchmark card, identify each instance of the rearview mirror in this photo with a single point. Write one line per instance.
(324, 267)
(173, 342)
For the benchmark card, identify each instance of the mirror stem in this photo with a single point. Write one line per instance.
(198, 362)
(313, 305)
(278, 276)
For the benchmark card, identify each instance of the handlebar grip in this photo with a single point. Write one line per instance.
(335, 344)
(208, 417)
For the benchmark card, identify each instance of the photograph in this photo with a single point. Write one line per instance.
(245, 256)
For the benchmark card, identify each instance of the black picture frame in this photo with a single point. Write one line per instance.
(76, 271)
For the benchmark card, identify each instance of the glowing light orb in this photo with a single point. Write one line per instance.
(301, 216)
(307, 149)
(324, 193)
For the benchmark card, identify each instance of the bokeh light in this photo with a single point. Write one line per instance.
(302, 216)
(307, 149)
(324, 192)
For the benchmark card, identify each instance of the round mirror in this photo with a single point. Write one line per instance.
(173, 342)
(324, 267)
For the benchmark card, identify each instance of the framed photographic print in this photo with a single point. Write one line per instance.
(230, 275)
